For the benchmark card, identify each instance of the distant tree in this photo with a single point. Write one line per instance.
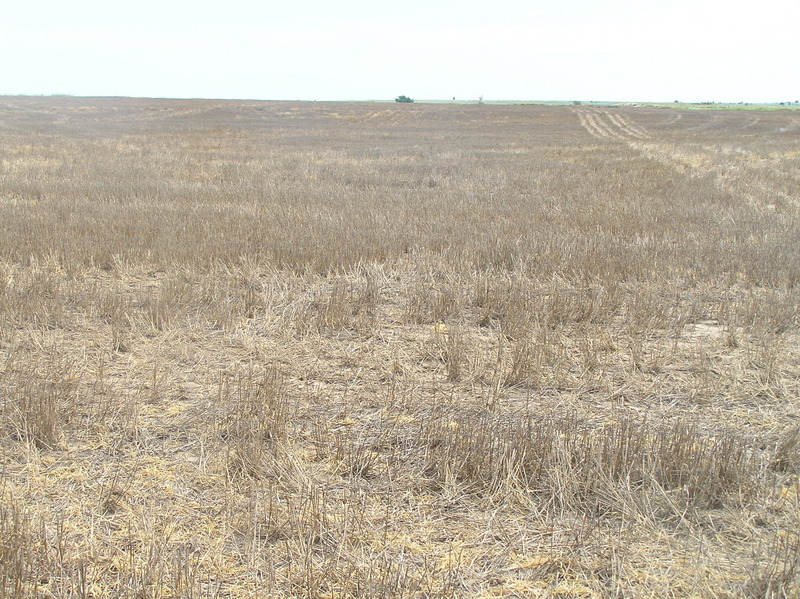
(404, 100)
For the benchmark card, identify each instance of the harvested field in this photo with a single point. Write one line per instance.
(330, 350)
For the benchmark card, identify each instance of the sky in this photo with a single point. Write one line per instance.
(612, 50)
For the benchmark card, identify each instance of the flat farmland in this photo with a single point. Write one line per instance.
(331, 350)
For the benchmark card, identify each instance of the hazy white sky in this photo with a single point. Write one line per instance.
(659, 50)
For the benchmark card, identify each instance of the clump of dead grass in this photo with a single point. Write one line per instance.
(581, 465)
(254, 418)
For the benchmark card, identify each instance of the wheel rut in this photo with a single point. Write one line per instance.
(604, 123)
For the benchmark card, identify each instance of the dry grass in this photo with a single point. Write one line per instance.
(361, 350)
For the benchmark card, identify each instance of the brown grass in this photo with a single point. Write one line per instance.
(255, 349)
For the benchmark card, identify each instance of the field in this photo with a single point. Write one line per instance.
(329, 350)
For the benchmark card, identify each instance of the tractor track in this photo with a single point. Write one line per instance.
(734, 171)
(602, 123)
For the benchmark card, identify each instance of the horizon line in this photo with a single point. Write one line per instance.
(479, 101)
